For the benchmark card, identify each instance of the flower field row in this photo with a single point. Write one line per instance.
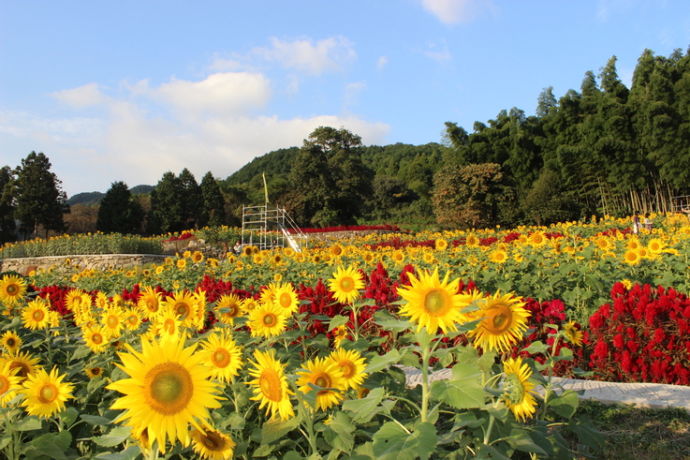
(285, 354)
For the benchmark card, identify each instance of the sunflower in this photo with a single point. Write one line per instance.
(197, 257)
(518, 390)
(398, 257)
(96, 338)
(270, 386)
(223, 356)
(132, 320)
(440, 244)
(340, 334)
(352, 366)
(633, 243)
(345, 284)
(93, 372)
(184, 305)
(267, 320)
(168, 389)
(25, 364)
(75, 300)
(212, 444)
(573, 333)
(229, 308)
(632, 257)
(268, 293)
(471, 240)
(11, 342)
(325, 374)
(35, 314)
(168, 325)
(9, 383)
(432, 303)
(503, 320)
(181, 264)
(112, 322)
(45, 394)
(12, 289)
(537, 239)
(286, 299)
(498, 256)
(655, 246)
(149, 301)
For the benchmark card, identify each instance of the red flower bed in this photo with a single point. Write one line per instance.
(644, 336)
(182, 237)
(346, 228)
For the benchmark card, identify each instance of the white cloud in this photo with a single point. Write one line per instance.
(83, 96)
(229, 92)
(456, 11)
(208, 125)
(438, 52)
(381, 62)
(313, 58)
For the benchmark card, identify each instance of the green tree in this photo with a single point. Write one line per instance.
(166, 205)
(7, 225)
(191, 200)
(40, 200)
(214, 204)
(118, 211)
(545, 202)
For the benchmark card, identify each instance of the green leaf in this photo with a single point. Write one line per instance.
(52, 445)
(116, 437)
(520, 440)
(487, 451)
(292, 455)
(565, 404)
(536, 348)
(129, 453)
(337, 321)
(344, 430)
(391, 323)
(80, 352)
(364, 409)
(383, 361)
(69, 415)
(392, 442)
(28, 424)
(463, 391)
(272, 430)
(95, 419)
(263, 450)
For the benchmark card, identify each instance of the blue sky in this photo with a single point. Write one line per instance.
(127, 90)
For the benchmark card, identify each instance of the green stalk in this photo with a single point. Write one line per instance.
(425, 383)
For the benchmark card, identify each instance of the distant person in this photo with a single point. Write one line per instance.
(648, 222)
(237, 248)
(636, 224)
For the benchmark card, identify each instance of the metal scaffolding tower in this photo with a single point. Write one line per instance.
(268, 228)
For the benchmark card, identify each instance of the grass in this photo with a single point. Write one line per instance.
(634, 433)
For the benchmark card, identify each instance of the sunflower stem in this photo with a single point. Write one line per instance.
(487, 433)
(354, 320)
(425, 382)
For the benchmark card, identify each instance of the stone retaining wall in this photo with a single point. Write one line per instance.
(98, 261)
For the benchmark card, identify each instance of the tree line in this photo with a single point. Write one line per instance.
(603, 149)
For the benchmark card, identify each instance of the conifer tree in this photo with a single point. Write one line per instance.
(166, 205)
(119, 211)
(39, 196)
(191, 200)
(214, 203)
(7, 225)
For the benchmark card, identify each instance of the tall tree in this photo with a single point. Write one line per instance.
(191, 200)
(7, 226)
(214, 204)
(119, 211)
(546, 102)
(39, 196)
(166, 206)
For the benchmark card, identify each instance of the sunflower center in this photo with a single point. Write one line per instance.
(169, 388)
(182, 309)
(24, 369)
(285, 300)
(515, 390)
(97, 338)
(48, 393)
(133, 319)
(12, 289)
(4, 384)
(213, 441)
(436, 301)
(270, 385)
(113, 321)
(322, 380)
(498, 319)
(348, 369)
(152, 305)
(10, 342)
(221, 357)
(347, 284)
(169, 326)
(269, 319)
(95, 371)
(38, 315)
(232, 311)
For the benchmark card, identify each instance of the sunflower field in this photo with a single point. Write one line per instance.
(388, 345)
